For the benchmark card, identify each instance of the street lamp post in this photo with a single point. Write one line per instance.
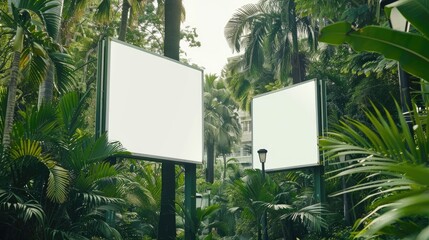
(262, 158)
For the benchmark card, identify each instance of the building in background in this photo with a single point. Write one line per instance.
(243, 152)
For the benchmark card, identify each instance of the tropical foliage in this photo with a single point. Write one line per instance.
(390, 161)
(58, 181)
(55, 178)
(407, 48)
(290, 213)
(389, 157)
(221, 124)
(268, 33)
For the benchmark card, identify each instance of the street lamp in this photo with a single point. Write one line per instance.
(198, 200)
(263, 158)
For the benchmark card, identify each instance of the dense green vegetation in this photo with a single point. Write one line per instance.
(58, 181)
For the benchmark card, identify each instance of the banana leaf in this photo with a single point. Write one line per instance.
(409, 49)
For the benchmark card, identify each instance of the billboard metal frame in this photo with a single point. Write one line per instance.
(321, 121)
(102, 108)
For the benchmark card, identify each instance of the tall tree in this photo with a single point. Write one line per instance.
(124, 20)
(287, 209)
(243, 85)
(60, 65)
(171, 50)
(222, 128)
(129, 11)
(268, 33)
(27, 18)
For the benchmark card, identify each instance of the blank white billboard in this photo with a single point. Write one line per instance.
(154, 105)
(286, 123)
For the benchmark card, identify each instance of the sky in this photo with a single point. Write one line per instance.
(210, 17)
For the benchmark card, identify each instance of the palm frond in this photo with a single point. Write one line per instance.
(48, 12)
(104, 11)
(58, 178)
(91, 174)
(70, 109)
(39, 125)
(20, 209)
(389, 159)
(58, 183)
(237, 26)
(64, 70)
(94, 199)
(310, 216)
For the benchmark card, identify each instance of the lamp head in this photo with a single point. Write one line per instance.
(262, 155)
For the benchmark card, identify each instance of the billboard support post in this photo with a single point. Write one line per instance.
(190, 201)
(319, 193)
(319, 171)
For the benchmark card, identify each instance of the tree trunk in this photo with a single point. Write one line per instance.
(11, 99)
(290, 230)
(258, 228)
(167, 220)
(12, 86)
(46, 88)
(224, 167)
(172, 28)
(210, 162)
(124, 20)
(296, 63)
(284, 231)
(346, 206)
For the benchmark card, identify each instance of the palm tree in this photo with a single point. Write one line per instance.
(253, 194)
(55, 180)
(27, 18)
(28, 176)
(222, 127)
(242, 84)
(46, 87)
(129, 11)
(143, 195)
(60, 65)
(268, 33)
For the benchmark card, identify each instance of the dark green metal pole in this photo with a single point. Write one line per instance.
(190, 201)
(319, 193)
(167, 218)
(264, 220)
(318, 171)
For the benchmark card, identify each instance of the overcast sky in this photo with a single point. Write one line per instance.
(210, 17)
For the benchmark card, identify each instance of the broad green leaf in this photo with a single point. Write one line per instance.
(58, 183)
(409, 49)
(335, 33)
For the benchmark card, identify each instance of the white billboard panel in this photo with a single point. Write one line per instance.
(154, 105)
(286, 123)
